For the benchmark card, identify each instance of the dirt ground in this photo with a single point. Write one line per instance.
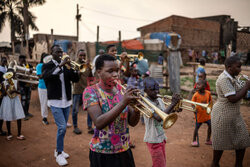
(37, 149)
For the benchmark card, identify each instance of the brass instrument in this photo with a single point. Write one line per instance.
(24, 72)
(74, 65)
(208, 106)
(11, 90)
(130, 57)
(242, 79)
(148, 109)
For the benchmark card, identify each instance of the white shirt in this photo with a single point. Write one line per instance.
(63, 103)
(93, 63)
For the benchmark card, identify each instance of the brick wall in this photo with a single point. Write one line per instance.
(243, 42)
(195, 33)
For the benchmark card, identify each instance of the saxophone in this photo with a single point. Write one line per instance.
(11, 89)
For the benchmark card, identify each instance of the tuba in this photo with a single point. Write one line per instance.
(11, 90)
(148, 110)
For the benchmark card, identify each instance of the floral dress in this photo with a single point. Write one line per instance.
(114, 138)
(229, 130)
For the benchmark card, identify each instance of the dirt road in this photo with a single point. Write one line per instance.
(37, 149)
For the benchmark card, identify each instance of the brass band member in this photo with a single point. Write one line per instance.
(78, 89)
(228, 127)
(42, 90)
(11, 108)
(58, 79)
(111, 115)
(25, 88)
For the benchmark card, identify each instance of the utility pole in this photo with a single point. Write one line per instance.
(78, 18)
(26, 26)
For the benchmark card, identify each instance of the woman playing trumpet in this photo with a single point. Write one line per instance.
(228, 126)
(111, 115)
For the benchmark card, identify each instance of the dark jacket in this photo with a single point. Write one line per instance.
(53, 82)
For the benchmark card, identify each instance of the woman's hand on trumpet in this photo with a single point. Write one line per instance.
(129, 96)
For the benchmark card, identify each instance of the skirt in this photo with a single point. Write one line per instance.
(11, 109)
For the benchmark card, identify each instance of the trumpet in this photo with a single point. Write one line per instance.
(74, 65)
(208, 106)
(148, 110)
(242, 79)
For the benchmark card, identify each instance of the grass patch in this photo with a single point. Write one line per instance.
(212, 84)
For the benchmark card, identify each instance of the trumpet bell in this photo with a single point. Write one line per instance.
(8, 75)
(169, 120)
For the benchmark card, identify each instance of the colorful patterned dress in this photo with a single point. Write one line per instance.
(228, 127)
(114, 138)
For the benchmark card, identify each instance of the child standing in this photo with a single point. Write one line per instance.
(201, 96)
(202, 76)
(154, 135)
(11, 108)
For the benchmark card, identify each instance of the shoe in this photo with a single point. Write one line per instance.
(3, 133)
(90, 130)
(194, 144)
(69, 125)
(9, 137)
(208, 142)
(45, 121)
(61, 160)
(21, 137)
(26, 118)
(65, 155)
(30, 115)
(77, 131)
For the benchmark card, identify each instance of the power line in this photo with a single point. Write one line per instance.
(109, 27)
(114, 15)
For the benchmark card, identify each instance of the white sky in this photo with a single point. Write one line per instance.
(60, 15)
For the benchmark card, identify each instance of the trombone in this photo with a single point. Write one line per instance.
(148, 110)
(208, 106)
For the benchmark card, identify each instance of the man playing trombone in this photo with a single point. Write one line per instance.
(58, 79)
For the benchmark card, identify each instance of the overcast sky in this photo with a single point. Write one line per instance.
(125, 15)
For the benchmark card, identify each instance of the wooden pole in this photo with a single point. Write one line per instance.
(77, 21)
(97, 34)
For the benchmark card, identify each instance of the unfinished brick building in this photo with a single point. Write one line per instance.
(195, 33)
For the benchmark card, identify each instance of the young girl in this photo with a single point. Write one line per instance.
(201, 116)
(154, 135)
(110, 112)
(229, 128)
(11, 108)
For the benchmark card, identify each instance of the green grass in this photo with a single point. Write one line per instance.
(212, 84)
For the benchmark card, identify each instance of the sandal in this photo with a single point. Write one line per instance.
(194, 144)
(208, 142)
(21, 137)
(9, 137)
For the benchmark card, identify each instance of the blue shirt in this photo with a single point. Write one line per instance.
(199, 69)
(41, 83)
